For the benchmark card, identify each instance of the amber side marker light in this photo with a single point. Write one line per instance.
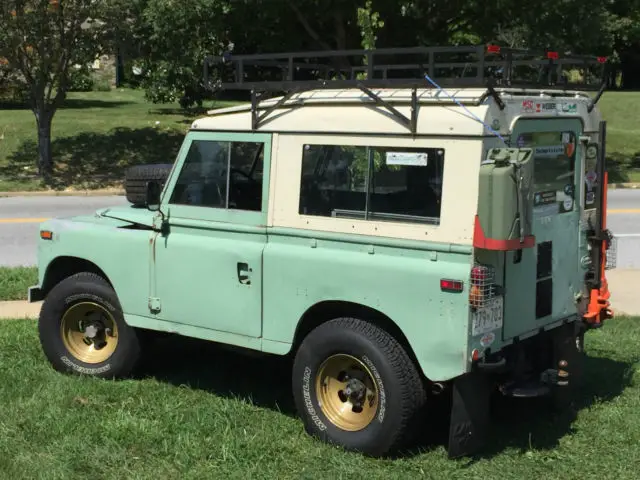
(46, 234)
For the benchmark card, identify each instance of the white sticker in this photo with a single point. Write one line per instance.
(549, 151)
(568, 203)
(566, 137)
(409, 159)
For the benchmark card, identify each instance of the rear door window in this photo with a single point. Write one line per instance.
(554, 171)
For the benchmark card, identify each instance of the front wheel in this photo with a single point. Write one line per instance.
(355, 386)
(82, 329)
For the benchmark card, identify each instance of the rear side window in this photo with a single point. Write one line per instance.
(372, 183)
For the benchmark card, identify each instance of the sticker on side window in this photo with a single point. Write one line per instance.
(407, 159)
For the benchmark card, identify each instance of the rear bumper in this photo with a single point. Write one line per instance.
(35, 294)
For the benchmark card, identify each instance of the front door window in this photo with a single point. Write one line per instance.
(221, 174)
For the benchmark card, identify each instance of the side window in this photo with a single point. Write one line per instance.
(221, 174)
(372, 183)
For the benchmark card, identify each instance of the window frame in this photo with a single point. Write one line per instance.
(220, 214)
(368, 215)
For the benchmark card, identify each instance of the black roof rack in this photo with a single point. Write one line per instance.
(478, 66)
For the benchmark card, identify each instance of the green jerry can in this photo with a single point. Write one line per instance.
(505, 204)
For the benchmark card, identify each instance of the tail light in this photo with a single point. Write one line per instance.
(483, 286)
(455, 286)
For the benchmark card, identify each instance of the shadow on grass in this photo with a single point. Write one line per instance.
(532, 424)
(227, 372)
(266, 382)
(91, 160)
(69, 104)
(619, 166)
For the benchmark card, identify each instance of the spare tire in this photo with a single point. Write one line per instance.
(137, 177)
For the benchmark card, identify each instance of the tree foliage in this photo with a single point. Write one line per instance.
(178, 39)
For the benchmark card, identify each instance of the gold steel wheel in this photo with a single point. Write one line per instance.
(89, 332)
(347, 392)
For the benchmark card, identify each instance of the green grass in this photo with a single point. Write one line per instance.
(95, 137)
(14, 282)
(620, 110)
(197, 412)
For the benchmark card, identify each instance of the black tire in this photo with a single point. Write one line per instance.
(73, 292)
(136, 179)
(401, 393)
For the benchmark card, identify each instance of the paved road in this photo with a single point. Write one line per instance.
(19, 218)
(624, 221)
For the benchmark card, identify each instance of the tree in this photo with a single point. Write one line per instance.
(40, 42)
(174, 37)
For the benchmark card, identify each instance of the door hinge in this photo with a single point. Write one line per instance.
(154, 304)
(158, 221)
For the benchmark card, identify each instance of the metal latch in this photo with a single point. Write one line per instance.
(154, 304)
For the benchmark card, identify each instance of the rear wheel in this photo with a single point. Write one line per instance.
(82, 329)
(355, 386)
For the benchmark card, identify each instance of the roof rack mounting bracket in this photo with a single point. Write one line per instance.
(257, 119)
(409, 123)
(414, 110)
(496, 96)
(596, 99)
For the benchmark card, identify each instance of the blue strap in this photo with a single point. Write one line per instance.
(466, 109)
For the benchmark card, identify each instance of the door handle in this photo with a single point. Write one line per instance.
(244, 273)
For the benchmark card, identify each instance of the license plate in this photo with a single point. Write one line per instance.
(488, 318)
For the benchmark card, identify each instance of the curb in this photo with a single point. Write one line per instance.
(616, 186)
(55, 193)
(20, 309)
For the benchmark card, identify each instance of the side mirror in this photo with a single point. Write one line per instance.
(154, 190)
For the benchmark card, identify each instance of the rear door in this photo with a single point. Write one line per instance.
(542, 282)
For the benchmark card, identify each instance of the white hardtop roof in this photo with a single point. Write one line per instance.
(443, 117)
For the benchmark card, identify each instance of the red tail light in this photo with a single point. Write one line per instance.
(451, 285)
(478, 274)
(482, 288)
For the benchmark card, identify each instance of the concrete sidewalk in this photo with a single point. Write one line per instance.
(623, 284)
(15, 310)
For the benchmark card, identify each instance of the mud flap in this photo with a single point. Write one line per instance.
(470, 416)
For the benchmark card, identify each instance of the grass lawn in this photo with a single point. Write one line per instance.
(620, 110)
(189, 415)
(14, 282)
(98, 134)
(95, 137)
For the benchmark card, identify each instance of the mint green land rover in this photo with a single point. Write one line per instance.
(399, 238)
